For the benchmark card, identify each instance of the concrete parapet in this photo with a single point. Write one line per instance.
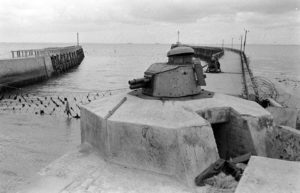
(175, 137)
(263, 175)
(19, 70)
(204, 52)
(284, 116)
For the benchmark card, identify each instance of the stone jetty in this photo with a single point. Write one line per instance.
(29, 66)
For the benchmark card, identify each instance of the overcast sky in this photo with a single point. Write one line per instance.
(150, 21)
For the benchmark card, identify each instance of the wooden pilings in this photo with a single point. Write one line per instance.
(63, 61)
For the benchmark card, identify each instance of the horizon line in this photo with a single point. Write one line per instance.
(280, 44)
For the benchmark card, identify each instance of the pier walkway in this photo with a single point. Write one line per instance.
(230, 81)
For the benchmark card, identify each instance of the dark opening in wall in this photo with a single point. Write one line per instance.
(222, 138)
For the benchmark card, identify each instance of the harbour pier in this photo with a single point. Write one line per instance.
(29, 66)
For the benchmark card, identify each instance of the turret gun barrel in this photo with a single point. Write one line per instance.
(138, 83)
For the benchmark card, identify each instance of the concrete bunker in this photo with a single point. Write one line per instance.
(236, 134)
(177, 138)
(169, 125)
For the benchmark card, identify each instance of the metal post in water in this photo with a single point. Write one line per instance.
(246, 31)
(223, 44)
(77, 39)
(12, 54)
(241, 43)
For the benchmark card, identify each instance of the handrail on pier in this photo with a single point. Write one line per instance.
(37, 52)
(246, 69)
(27, 53)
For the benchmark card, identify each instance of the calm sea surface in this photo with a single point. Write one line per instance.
(30, 142)
(110, 66)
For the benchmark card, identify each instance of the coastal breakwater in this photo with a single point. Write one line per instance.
(204, 52)
(29, 66)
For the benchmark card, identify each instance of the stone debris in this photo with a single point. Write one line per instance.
(284, 143)
(221, 183)
(223, 176)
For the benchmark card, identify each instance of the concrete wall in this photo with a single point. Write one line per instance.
(18, 70)
(204, 52)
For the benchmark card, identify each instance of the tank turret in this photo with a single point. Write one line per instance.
(181, 76)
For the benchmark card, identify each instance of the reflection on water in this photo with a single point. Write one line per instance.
(29, 142)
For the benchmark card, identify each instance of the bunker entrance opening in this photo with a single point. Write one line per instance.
(233, 138)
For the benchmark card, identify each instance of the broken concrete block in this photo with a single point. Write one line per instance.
(284, 143)
(266, 175)
(284, 116)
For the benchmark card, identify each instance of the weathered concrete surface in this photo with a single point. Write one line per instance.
(266, 175)
(48, 66)
(86, 172)
(284, 116)
(284, 143)
(172, 137)
(15, 68)
(230, 80)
